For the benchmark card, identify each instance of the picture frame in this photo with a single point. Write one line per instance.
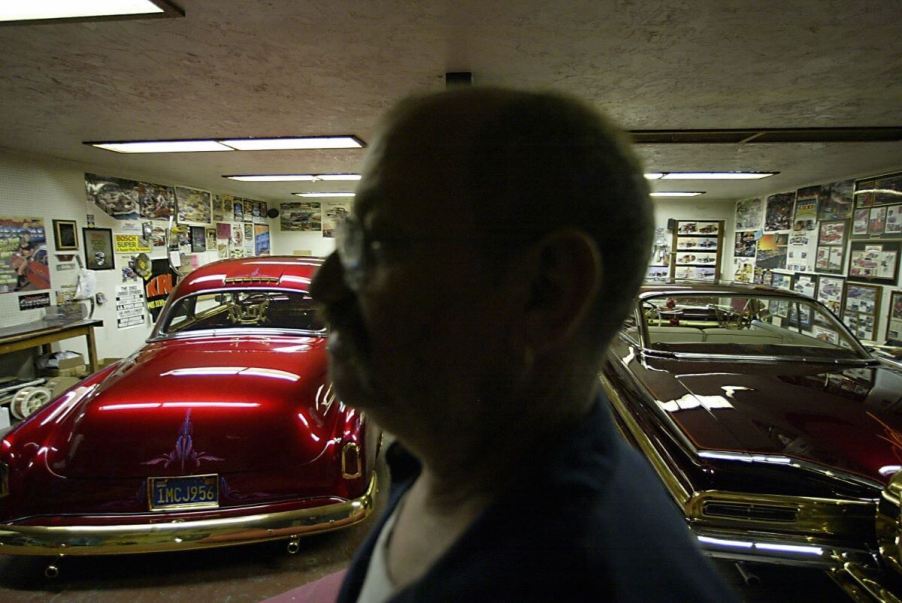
(894, 320)
(874, 261)
(831, 245)
(831, 291)
(882, 190)
(861, 309)
(805, 283)
(65, 235)
(98, 248)
(198, 239)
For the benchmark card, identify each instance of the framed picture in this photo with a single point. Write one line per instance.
(883, 190)
(861, 309)
(876, 221)
(874, 261)
(806, 284)
(198, 239)
(860, 222)
(781, 281)
(65, 235)
(894, 324)
(98, 248)
(894, 221)
(830, 292)
(831, 244)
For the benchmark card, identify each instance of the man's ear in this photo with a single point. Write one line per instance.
(566, 277)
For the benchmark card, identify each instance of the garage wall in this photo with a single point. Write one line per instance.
(692, 209)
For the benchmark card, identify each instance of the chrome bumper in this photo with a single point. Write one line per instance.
(184, 535)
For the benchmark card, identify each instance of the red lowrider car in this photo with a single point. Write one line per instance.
(223, 429)
(775, 432)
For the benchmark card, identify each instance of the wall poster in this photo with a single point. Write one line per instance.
(772, 251)
(778, 216)
(830, 256)
(894, 325)
(23, 255)
(883, 190)
(835, 201)
(129, 306)
(261, 239)
(806, 212)
(334, 213)
(830, 292)
(874, 261)
(194, 206)
(304, 216)
(748, 214)
(861, 309)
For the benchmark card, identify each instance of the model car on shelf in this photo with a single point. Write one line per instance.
(776, 433)
(223, 429)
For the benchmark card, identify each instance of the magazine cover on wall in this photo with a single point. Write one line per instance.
(831, 243)
(334, 212)
(861, 309)
(23, 249)
(882, 190)
(805, 217)
(874, 261)
(801, 250)
(116, 197)
(157, 202)
(248, 239)
(236, 243)
(830, 292)
(835, 200)
(194, 206)
(745, 245)
(806, 284)
(237, 209)
(771, 252)
(305, 216)
(894, 323)
(218, 212)
(778, 216)
(748, 214)
(743, 270)
(248, 210)
(98, 248)
(261, 239)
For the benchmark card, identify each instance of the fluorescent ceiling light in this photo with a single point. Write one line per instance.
(324, 194)
(294, 177)
(161, 146)
(716, 175)
(273, 177)
(678, 194)
(289, 143)
(39, 10)
(653, 175)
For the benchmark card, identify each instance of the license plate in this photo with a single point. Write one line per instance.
(189, 492)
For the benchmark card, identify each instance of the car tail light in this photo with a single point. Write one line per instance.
(350, 461)
(4, 480)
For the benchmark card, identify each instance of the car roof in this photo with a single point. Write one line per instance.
(281, 272)
(672, 287)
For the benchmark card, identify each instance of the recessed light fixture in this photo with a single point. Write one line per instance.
(161, 146)
(293, 143)
(44, 10)
(677, 193)
(293, 177)
(324, 194)
(716, 175)
(230, 144)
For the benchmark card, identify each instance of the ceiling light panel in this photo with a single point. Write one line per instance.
(323, 194)
(161, 146)
(41, 10)
(286, 143)
(677, 193)
(716, 175)
(653, 175)
(272, 177)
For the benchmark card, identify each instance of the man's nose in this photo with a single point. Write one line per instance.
(328, 284)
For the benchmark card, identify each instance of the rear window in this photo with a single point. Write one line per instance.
(255, 309)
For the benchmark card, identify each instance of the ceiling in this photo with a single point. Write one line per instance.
(234, 68)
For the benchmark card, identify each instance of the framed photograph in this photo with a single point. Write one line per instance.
(861, 309)
(98, 248)
(830, 292)
(894, 324)
(781, 281)
(198, 239)
(874, 261)
(877, 221)
(831, 244)
(894, 221)
(883, 190)
(806, 284)
(860, 222)
(65, 235)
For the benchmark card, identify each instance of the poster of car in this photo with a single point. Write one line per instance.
(806, 284)
(830, 290)
(805, 215)
(801, 250)
(771, 252)
(748, 214)
(743, 270)
(778, 215)
(305, 216)
(261, 239)
(874, 262)
(780, 280)
(23, 255)
(835, 200)
(883, 190)
(860, 222)
(116, 197)
(832, 234)
(157, 202)
(894, 326)
(194, 206)
(745, 245)
(893, 220)
(692, 243)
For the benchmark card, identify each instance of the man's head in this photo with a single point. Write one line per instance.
(496, 243)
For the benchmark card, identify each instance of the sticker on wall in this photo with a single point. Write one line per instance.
(34, 301)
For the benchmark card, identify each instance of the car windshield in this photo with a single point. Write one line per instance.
(245, 309)
(746, 325)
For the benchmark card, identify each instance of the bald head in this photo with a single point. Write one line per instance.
(528, 164)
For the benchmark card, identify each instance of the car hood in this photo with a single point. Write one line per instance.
(194, 406)
(846, 418)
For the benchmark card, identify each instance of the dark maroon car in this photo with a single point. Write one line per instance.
(775, 432)
(223, 429)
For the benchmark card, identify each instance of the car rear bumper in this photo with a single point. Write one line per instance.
(183, 535)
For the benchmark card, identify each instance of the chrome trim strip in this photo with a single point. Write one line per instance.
(863, 584)
(183, 535)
